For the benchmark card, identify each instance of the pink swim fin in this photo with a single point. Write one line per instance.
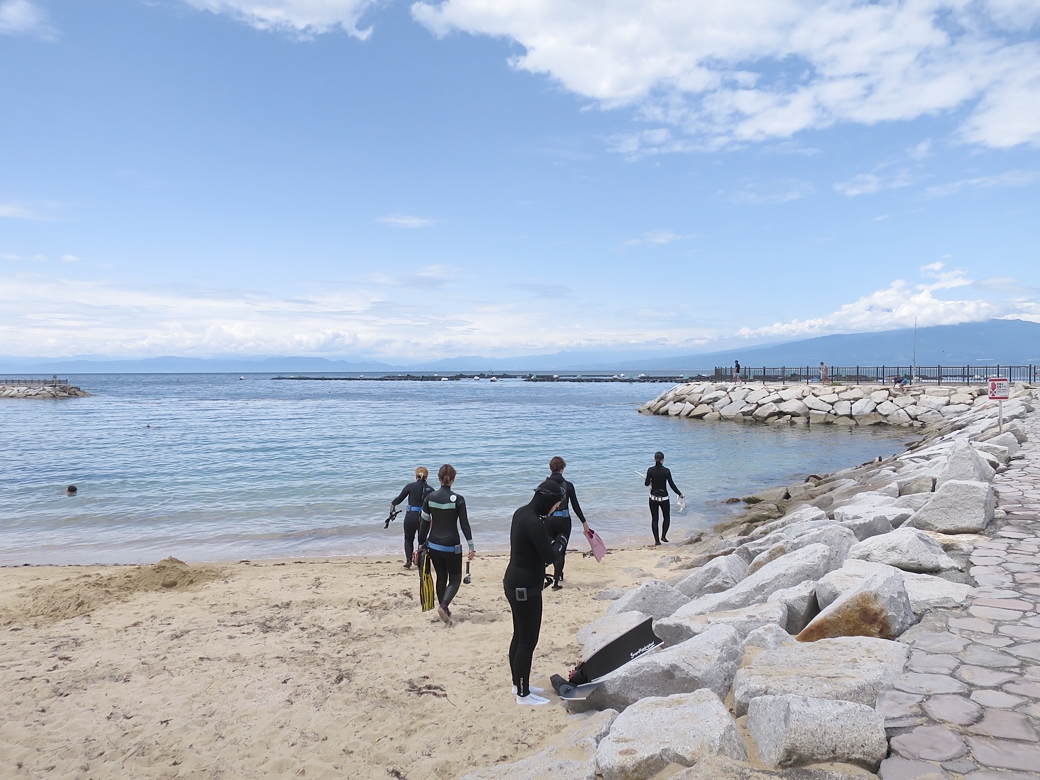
(598, 548)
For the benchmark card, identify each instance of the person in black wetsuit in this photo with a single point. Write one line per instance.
(443, 512)
(559, 522)
(415, 492)
(658, 478)
(530, 551)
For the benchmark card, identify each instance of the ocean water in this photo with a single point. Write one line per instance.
(211, 467)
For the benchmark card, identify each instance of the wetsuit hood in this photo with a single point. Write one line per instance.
(546, 495)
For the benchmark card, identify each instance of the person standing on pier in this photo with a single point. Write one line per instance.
(559, 522)
(736, 371)
(823, 373)
(414, 492)
(443, 513)
(658, 478)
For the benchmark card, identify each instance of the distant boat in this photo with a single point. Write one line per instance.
(477, 378)
(241, 378)
(493, 379)
(444, 379)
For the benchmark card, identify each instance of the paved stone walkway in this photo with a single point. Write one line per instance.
(968, 705)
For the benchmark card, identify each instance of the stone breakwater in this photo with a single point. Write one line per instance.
(41, 391)
(914, 406)
(880, 620)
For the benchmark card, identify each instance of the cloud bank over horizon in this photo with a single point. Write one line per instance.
(41, 316)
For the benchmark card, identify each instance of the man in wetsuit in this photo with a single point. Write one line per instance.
(530, 551)
(559, 522)
(415, 492)
(443, 512)
(658, 478)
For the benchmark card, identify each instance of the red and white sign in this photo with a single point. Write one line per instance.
(999, 389)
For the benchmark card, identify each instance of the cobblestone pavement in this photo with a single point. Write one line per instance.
(968, 704)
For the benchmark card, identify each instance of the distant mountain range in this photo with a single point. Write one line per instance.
(1005, 342)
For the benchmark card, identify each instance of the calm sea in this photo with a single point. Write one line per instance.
(211, 467)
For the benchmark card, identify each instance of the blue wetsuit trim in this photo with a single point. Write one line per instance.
(415, 509)
(561, 513)
(445, 548)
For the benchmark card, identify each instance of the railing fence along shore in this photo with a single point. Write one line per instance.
(54, 382)
(962, 375)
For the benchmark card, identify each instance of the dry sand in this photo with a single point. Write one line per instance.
(316, 668)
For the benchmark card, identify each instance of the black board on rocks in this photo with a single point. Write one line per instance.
(587, 676)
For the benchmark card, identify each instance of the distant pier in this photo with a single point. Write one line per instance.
(525, 377)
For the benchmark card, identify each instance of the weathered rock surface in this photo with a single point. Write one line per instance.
(674, 630)
(845, 668)
(658, 731)
(654, 598)
(801, 604)
(598, 633)
(808, 563)
(718, 768)
(964, 463)
(905, 548)
(925, 591)
(796, 730)
(957, 507)
(878, 606)
(715, 576)
(708, 660)
(766, 638)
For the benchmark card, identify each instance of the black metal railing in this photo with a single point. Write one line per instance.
(55, 382)
(952, 375)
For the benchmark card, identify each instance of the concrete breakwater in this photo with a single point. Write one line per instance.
(878, 621)
(16, 390)
(914, 406)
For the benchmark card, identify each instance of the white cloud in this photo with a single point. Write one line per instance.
(18, 211)
(869, 183)
(301, 17)
(407, 221)
(751, 70)
(777, 192)
(20, 17)
(901, 304)
(70, 259)
(657, 238)
(1008, 179)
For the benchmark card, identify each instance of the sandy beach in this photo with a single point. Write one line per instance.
(297, 668)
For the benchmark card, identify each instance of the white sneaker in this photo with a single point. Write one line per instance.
(530, 700)
(532, 689)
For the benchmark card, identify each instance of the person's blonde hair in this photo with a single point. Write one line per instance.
(422, 472)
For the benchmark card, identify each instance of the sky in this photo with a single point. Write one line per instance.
(416, 180)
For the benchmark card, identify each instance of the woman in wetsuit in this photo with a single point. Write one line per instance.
(415, 492)
(559, 522)
(530, 551)
(443, 512)
(658, 478)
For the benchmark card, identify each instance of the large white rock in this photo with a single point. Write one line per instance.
(801, 604)
(816, 404)
(1008, 440)
(905, 548)
(863, 406)
(709, 660)
(722, 768)
(659, 731)
(756, 396)
(654, 598)
(845, 668)
(808, 563)
(800, 515)
(765, 411)
(797, 730)
(794, 407)
(595, 635)
(957, 507)
(886, 408)
(733, 409)
(675, 630)
(878, 606)
(575, 760)
(715, 576)
(843, 408)
(965, 463)
(926, 592)
(797, 536)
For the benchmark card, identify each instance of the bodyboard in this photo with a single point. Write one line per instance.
(616, 653)
(427, 592)
(598, 548)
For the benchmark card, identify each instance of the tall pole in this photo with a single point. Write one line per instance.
(913, 367)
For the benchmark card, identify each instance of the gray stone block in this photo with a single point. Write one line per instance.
(598, 633)
(905, 548)
(964, 463)
(926, 592)
(796, 730)
(766, 638)
(801, 604)
(715, 576)
(719, 768)
(709, 660)
(878, 606)
(654, 598)
(658, 731)
(957, 507)
(675, 630)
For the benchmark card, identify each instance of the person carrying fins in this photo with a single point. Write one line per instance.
(443, 513)
(414, 492)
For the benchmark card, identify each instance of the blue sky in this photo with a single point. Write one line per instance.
(394, 180)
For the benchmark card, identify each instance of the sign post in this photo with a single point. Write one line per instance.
(1000, 391)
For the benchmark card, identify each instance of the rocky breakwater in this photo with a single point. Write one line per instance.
(914, 406)
(787, 632)
(15, 390)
